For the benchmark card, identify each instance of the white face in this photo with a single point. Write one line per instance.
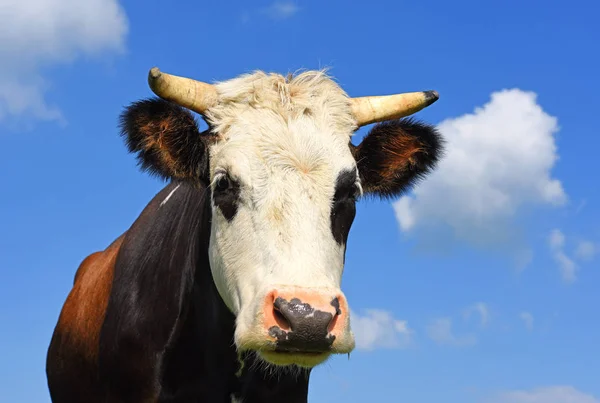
(276, 253)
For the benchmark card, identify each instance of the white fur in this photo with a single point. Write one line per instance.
(285, 142)
(169, 196)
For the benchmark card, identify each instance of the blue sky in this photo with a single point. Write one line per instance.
(479, 287)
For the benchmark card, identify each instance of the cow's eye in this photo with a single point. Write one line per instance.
(222, 183)
(349, 193)
(354, 192)
(226, 195)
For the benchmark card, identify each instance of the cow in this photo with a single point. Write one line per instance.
(227, 286)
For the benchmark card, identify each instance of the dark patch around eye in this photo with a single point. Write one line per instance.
(226, 195)
(343, 210)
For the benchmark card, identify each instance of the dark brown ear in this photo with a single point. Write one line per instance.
(166, 139)
(394, 155)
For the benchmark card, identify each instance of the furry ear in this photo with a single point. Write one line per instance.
(166, 139)
(395, 155)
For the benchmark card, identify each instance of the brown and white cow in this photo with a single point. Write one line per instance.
(232, 272)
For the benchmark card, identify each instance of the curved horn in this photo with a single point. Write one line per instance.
(191, 94)
(368, 110)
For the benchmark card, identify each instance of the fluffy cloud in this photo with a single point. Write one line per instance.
(440, 331)
(280, 10)
(37, 34)
(551, 394)
(527, 319)
(379, 329)
(481, 309)
(498, 161)
(568, 268)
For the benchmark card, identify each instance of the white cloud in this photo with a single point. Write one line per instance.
(440, 331)
(281, 10)
(37, 34)
(550, 394)
(379, 329)
(568, 268)
(481, 309)
(586, 250)
(527, 319)
(498, 162)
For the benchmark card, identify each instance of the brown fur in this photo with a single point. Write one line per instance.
(156, 138)
(400, 152)
(83, 312)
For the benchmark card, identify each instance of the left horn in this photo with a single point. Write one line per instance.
(191, 94)
(368, 110)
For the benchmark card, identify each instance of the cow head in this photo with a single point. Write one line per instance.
(284, 178)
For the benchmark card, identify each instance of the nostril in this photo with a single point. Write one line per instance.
(338, 312)
(336, 304)
(281, 320)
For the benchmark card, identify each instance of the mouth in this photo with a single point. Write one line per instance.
(301, 359)
(270, 353)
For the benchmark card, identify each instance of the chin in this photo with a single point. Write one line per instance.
(283, 358)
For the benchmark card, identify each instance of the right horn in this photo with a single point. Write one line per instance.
(368, 110)
(191, 94)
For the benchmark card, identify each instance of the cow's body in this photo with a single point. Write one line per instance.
(228, 285)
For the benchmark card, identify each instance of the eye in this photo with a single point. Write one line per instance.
(226, 195)
(354, 192)
(222, 183)
(349, 193)
(343, 212)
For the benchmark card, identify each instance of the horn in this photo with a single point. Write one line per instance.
(191, 94)
(368, 110)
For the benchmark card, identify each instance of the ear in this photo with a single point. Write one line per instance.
(395, 154)
(166, 139)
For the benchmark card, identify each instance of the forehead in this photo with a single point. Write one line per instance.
(302, 123)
